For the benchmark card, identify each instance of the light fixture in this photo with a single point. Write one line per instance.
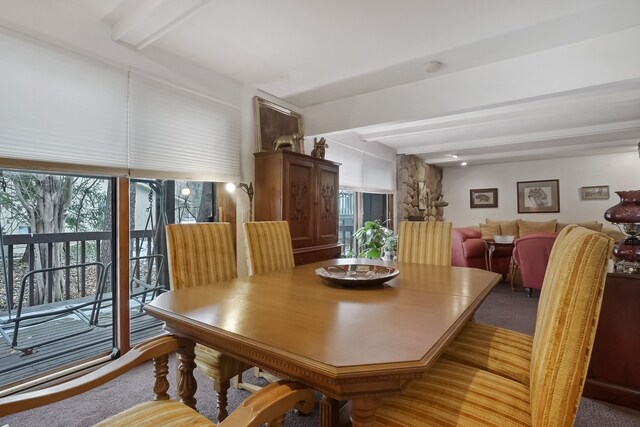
(231, 187)
(186, 191)
(433, 67)
(463, 164)
(455, 156)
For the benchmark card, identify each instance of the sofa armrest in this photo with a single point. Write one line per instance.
(466, 243)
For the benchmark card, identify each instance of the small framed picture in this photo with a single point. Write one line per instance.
(596, 192)
(539, 196)
(483, 198)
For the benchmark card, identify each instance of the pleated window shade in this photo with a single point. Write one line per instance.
(361, 171)
(60, 107)
(352, 164)
(65, 109)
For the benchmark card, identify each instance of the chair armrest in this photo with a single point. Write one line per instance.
(139, 354)
(271, 403)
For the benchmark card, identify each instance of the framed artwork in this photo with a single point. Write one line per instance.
(596, 192)
(539, 196)
(277, 125)
(483, 198)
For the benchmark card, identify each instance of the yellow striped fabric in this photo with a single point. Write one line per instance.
(500, 351)
(268, 245)
(452, 394)
(566, 324)
(425, 242)
(168, 413)
(200, 254)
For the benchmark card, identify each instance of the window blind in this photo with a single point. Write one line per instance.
(361, 171)
(352, 164)
(60, 107)
(179, 133)
(379, 174)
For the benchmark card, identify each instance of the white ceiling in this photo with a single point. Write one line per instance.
(310, 53)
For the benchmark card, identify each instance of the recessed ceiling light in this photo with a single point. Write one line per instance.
(463, 164)
(455, 156)
(433, 67)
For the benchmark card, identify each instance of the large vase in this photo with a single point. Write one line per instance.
(627, 214)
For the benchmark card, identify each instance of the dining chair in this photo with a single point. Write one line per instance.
(268, 245)
(455, 393)
(203, 254)
(267, 406)
(425, 242)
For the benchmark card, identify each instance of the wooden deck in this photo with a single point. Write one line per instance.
(35, 360)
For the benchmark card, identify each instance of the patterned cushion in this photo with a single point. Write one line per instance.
(217, 365)
(425, 242)
(526, 227)
(452, 394)
(489, 230)
(507, 228)
(168, 413)
(268, 246)
(501, 351)
(566, 324)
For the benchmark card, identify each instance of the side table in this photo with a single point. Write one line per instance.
(613, 374)
(490, 247)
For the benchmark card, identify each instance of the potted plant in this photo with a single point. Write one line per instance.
(373, 238)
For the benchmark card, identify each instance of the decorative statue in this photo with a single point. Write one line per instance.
(287, 141)
(319, 148)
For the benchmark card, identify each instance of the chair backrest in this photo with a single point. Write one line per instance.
(199, 254)
(566, 324)
(532, 253)
(425, 242)
(268, 246)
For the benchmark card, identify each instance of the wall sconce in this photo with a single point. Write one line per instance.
(231, 187)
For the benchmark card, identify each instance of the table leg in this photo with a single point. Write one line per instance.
(363, 411)
(490, 251)
(187, 384)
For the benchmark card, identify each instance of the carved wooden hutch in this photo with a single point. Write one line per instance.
(302, 190)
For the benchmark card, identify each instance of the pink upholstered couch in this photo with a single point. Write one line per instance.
(468, 250)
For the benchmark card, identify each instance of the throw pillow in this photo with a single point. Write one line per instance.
(589, 225)
(507, 228)
(489, 230)
(526, 227)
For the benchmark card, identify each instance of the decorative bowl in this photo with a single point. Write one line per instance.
(357, 275)
(503, 239)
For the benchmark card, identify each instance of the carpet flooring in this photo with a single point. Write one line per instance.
(502, 307)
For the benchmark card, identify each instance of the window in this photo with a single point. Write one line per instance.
(355, 208)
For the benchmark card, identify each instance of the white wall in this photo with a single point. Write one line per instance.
(618, 171)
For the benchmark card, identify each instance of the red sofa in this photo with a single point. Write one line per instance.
(468, 250)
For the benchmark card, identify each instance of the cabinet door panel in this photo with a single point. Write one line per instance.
(299, 199)
(327, 202)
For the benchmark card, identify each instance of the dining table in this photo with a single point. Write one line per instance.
(351, 343)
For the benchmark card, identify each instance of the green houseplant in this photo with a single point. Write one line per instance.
(372, 239)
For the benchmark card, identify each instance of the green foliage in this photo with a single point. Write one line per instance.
(371, 239)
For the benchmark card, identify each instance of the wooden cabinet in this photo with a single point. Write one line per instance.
(302, 190)
(614, 371)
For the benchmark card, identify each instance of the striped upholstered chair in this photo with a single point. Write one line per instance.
(268, 245)
(425, 242)
(269, 405)
(202, 254)
(498, 393)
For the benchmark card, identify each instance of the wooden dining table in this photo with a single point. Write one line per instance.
(350, 344)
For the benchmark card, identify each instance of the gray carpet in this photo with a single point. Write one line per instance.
(503, 308)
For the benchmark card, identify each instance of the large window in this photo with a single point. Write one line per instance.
(355, 208)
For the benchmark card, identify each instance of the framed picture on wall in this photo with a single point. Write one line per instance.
(539, 196)
(596, 192)
(277, 125)
(483, 198)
